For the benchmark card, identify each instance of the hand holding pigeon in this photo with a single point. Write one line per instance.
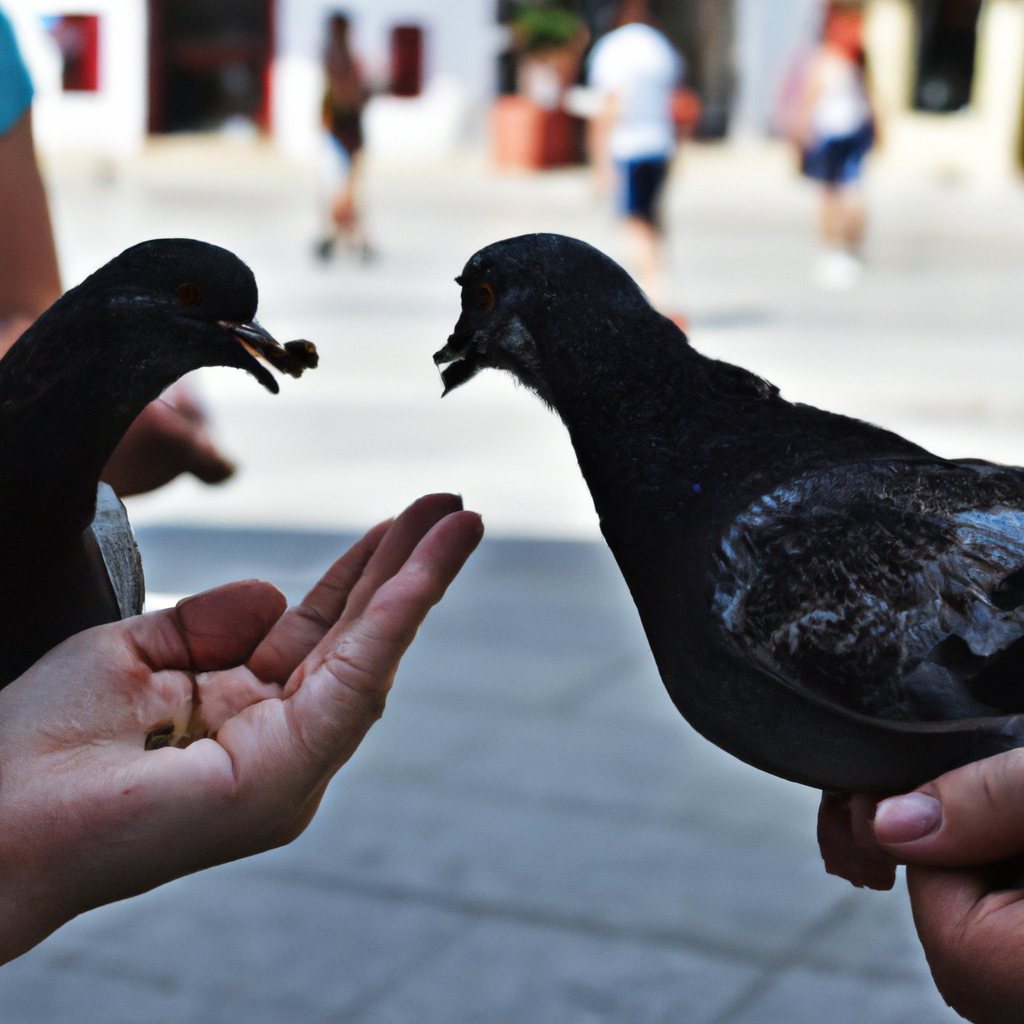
(962, 839)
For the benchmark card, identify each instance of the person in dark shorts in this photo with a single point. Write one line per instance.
(837, 162)
(344, 100)
(634, 70)
(642, 182)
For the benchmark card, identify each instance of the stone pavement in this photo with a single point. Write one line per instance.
(531, 833)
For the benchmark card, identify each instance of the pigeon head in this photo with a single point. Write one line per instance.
(538, 306)
(170, 305)
(75, 381)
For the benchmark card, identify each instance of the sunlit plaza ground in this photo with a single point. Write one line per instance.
(532, 833)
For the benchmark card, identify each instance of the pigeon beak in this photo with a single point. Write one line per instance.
(293, 357)
(463, 359)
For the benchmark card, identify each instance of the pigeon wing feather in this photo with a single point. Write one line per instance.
(893, 589)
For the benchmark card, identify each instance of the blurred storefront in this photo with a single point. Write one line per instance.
(948, 74)
(209, 64)
(109, 71)
(949, 84)
(430, 63)
(88, 63)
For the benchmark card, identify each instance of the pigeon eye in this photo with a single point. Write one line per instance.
(484, 296)
(189, 294)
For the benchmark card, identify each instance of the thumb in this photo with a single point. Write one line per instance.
(216, 629)
(973, 815)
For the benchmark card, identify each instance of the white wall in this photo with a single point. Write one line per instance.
(769, 35)
(461, 45)
(110, 122)
(982, 141)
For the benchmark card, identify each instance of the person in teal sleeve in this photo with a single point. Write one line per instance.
(29, 280)
(15, 84)
(171, 435)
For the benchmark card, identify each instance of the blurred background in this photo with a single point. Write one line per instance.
(531, 833)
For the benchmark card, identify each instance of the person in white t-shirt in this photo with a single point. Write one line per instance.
(636, 70)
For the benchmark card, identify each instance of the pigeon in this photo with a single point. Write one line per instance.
(824, 599)
(69, 389)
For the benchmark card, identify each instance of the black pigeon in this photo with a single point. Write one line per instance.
(69, 389)
(824, 599)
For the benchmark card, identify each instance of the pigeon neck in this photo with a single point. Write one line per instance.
(614, 381)
(653, 422)
(63, 410)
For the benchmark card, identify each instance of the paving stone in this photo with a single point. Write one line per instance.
(517, 974)
(876, 941)
(225, 946)
(800, 997)
(533, 861)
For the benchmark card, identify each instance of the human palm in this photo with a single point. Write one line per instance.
(274, 702)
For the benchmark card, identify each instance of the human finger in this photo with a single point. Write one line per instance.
(161, 444)
(187, 441)
(971, 928)
(405, 533)
(973, 815)
(214, 630)
(345, 681)
(339, 691)
(301, 628)
(847, 843)
(221, 628)
(138, 675)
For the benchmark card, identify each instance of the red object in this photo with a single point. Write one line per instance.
(406, 60)
(264, 116)
(78, 36)
(530, 138)
(686, 111)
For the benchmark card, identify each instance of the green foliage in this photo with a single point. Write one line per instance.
(544, 27)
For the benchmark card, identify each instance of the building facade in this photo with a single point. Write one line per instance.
(948, 75)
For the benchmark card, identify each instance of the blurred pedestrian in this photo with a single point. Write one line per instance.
(30, 281)
(344, 100)
(170, 436)
(835, 131)
(636, 70)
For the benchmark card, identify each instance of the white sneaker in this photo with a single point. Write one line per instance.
(837, 270)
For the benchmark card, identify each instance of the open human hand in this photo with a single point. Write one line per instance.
(962, 839)
(281, 699)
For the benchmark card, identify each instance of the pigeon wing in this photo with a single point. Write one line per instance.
(893, 589)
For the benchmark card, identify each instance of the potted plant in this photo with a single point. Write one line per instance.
(530, 128)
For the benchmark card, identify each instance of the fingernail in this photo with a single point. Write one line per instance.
(903, 819)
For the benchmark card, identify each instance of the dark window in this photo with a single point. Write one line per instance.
(407, 60)
(947, 39)
(208, 62)
(78, 38)
(508, 83)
